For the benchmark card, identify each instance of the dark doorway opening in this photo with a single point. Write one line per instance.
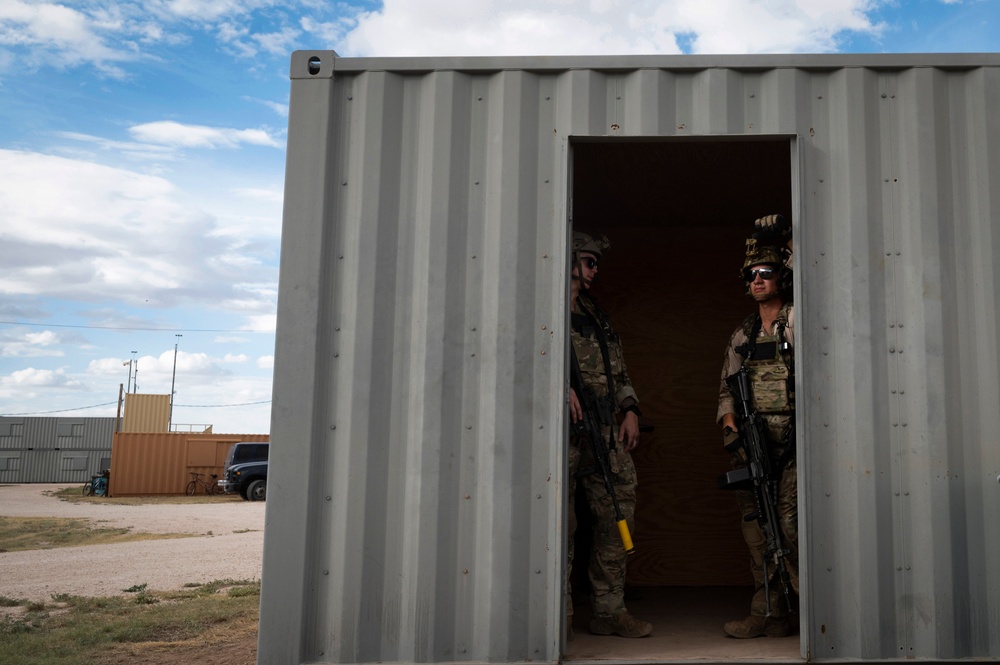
(677, 214)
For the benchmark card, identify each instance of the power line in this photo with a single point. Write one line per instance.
(219, 406)
(94, 406)
(79, 408)
(173, 330)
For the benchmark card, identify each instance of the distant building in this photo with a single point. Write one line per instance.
(54, 450)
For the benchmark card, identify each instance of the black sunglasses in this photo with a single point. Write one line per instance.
(765, 273)
(589, 261)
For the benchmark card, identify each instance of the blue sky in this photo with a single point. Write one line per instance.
(142, 161)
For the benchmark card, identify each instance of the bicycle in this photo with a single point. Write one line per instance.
(197, 482)
(98, 484)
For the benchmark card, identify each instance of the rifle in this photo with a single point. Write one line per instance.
(598, 412)
(760, 477)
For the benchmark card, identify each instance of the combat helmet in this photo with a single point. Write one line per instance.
(759, 255)
(584, 242)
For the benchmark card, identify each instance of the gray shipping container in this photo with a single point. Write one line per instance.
(416, 511)
(54, 450)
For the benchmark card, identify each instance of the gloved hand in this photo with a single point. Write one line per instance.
(772, 228)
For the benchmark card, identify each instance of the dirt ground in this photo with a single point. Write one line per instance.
(228, 543)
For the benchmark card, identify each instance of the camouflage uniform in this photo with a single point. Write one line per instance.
(773, 388)
(607, 563)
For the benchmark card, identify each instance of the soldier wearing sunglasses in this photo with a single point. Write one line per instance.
(763, 343)
(600, 365)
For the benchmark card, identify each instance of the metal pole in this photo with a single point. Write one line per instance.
(118, 416)
(170, 421)
(134, 361)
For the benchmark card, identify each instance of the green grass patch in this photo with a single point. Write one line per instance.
(75, 495)
(76, 629)
(43, 533)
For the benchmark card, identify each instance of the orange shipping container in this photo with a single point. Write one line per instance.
(162, 462)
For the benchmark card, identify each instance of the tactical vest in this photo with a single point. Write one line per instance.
(769, 361)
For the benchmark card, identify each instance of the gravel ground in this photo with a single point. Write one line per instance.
(228, 544)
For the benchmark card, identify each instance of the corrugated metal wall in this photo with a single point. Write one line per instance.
(899, 367)
(416, 512)
(146, 413)
(54, 450)
(162, 463)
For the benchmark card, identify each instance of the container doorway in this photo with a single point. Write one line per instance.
(677, 215)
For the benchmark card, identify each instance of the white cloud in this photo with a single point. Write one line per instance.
(260, 194)
(329, 32)
(230, 339)
(39, 378)
(209, 10)
(168, 132)
(739, 26)
(235, 358)
(108, 367)
(279, 43)
(139, 152)
(57, 35)
(262, 323)
(31, 345)
(278, 107)
(155, 374)
(116, 235)
(107, 34)
(265, 362)
(44, 338)
(579, 27)
(189, 363)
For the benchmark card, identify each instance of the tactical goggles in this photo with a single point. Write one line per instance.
(589, 261)
(763, 273)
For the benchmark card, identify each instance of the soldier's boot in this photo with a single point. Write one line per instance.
(623, 624)
(758, 626)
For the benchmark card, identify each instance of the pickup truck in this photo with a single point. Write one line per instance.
(249, 479)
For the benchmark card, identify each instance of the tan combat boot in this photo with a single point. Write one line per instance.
(758, 626)
(623, 624)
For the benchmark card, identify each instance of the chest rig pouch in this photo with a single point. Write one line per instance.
(771, 377)
(769, 368)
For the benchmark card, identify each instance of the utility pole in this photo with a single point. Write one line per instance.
(170, 421)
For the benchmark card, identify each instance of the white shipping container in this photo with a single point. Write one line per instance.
(416, 509)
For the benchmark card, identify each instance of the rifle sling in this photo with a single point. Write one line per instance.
(747, 348)
(576, 381)
(602, 341)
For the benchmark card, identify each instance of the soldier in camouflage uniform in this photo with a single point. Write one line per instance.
(767, 273)
(597, 349)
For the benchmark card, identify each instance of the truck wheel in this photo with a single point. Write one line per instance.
(257, 490)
